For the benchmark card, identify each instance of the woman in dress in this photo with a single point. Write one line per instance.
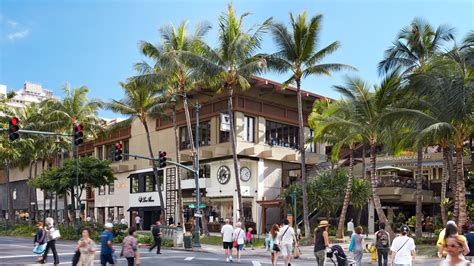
(86, 247)
(274, 248)
(239, 236)
(130, 247)
(357, 245)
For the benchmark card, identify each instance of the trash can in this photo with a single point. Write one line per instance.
(188, 241)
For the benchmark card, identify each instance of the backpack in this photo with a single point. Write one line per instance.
(382, 240)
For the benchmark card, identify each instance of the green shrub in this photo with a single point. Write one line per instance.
(145, 238)
(166, 243)
(23, 230)
(68, 233)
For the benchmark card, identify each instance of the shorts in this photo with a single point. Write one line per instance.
(240, 247)
(106, 258)
(286, 249)
(227, 245)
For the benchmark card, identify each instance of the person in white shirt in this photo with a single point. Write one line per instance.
(287, 237)
(403, 249)
(350, 228)
(123, 221)
(138, 221)
(227, 232)
(239, 236)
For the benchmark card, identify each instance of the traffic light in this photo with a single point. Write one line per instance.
(78, 135)
(118, 152)
(162, 159)
(13, 127)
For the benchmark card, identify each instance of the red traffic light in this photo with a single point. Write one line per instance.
(79, 127)
(14, 121)
(163, 154)
(118, 146)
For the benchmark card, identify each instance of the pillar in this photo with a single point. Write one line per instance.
(371, 217)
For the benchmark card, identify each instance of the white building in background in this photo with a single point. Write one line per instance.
(30, 93)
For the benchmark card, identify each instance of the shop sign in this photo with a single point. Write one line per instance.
(403, 158)
(145, 199)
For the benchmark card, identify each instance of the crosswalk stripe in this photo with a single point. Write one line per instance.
(256, 263)
(189, 258)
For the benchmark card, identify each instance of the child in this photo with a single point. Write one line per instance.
(248, 237)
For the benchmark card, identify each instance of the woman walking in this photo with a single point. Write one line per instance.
(452, 230)
(274, 243)
(51, 235)
(40, 240)
(357, 245)
(239, 238)
(130, 247)
(86, 247)
(321, 242)
(248, 238)
(455, 249)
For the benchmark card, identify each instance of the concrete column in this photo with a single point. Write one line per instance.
(371, 217)
(260, 193)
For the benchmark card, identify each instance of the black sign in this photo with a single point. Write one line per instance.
(145, 199)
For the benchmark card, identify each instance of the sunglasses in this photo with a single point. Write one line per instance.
(453, 246)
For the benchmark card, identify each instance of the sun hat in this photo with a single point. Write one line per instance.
(108, 225)
(323, 223)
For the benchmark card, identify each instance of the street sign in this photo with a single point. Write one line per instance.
(198, 214)
(78, 214)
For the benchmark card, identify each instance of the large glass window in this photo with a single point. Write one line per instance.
(149, 183)
(109, 152)
(102, 190)
(312, 145)
(249, 126)
(224, 136)
(277, 134)
(145, 182)
(134, 186)
(204, 135)
(100, 153)
(204, 172)
(111, 188)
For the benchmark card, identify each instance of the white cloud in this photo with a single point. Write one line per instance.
(12, 23)
(18, 35)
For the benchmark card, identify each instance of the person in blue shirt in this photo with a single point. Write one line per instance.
(470, 242)
(106, 249)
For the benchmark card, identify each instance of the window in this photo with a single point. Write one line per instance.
(111, 188)
(109, 152)
(102, 190)
(204, 135)
(134, 186)
(145, 182)
(126, 149)
(249, 126)
(224, 136)
(204, 172)
(277, 134)
(100, 153)
(149, 183)
(312, 145)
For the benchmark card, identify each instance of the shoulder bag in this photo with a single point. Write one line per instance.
(276, 247)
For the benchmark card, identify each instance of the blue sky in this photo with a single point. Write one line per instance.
(95, 43)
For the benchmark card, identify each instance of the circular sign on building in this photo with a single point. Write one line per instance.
(245, 174)
(223, 174)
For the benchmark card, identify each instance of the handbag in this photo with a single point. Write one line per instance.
(39, 249)
(296, 252)
(55, 234)
(236, 243)
(76, 257)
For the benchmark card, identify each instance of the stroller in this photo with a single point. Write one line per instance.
(341, 258)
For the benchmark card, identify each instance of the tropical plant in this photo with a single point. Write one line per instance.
(413, 49)
(298, 54)
(142, 101)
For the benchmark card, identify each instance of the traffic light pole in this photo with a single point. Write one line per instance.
(39, 132)
(198, 215)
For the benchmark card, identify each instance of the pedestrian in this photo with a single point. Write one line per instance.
(403, 249)
(321, 242)
(299, 236)
(51, 235)
(86, 247)
(106, 248)
(123, 220)
(227, 232)
(268, 239)
(239, 239)
(454, 248)
(350, 228)
(451, 230)
(274, 243)
(40, 240)
(286, 241)
(382, 244)
(357, 245)
(138, 221)
(470, 243)
(130, 247)
(170, 221)
(88, 219)
(442, 233)
(156, 237)
(248, 238)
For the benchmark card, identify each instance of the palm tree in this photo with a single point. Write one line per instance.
(339, 137)
(229, 67)
(412, 50)
(366, 113)
(177, 76)
(142, 101)
(298, 54)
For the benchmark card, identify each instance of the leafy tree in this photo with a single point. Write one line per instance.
(298, 54)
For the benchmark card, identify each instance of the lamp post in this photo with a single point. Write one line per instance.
(293, 199)
(197, 231)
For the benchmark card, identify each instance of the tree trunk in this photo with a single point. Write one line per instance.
(30, 194)
(44, 206)
(301, 147)
(375, 196)
(461, 188)
(155, 172)
(444, 181)
(419, 191)
(347, 196)
(452, 181)
(233, 141)
(9, 194)
(178, 172)
(65, 211)
(364, 171)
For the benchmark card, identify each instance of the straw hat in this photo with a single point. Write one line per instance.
(323, 223)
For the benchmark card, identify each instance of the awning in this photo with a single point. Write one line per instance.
(390, 167)
(155, 208)
(407, 163)
(140, 171)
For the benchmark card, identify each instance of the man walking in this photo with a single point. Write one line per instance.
(382, 244)
(138, 221)
(286, 241)
(157, 237)
(227, 232)
(106, 249)
(403, 249)
(350, 228)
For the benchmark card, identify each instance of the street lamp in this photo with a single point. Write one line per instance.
(198, 215)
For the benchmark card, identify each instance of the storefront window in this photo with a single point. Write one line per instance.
(134, 186)
(149, 183)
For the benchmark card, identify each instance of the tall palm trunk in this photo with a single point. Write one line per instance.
(444, 181)
(303, 159)
(461, 188)
(155, 171)
(178, 171)
(347, 196)
(452, 181)
(375, 196)
(233, 141)
(419, 191)
(364, 171)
